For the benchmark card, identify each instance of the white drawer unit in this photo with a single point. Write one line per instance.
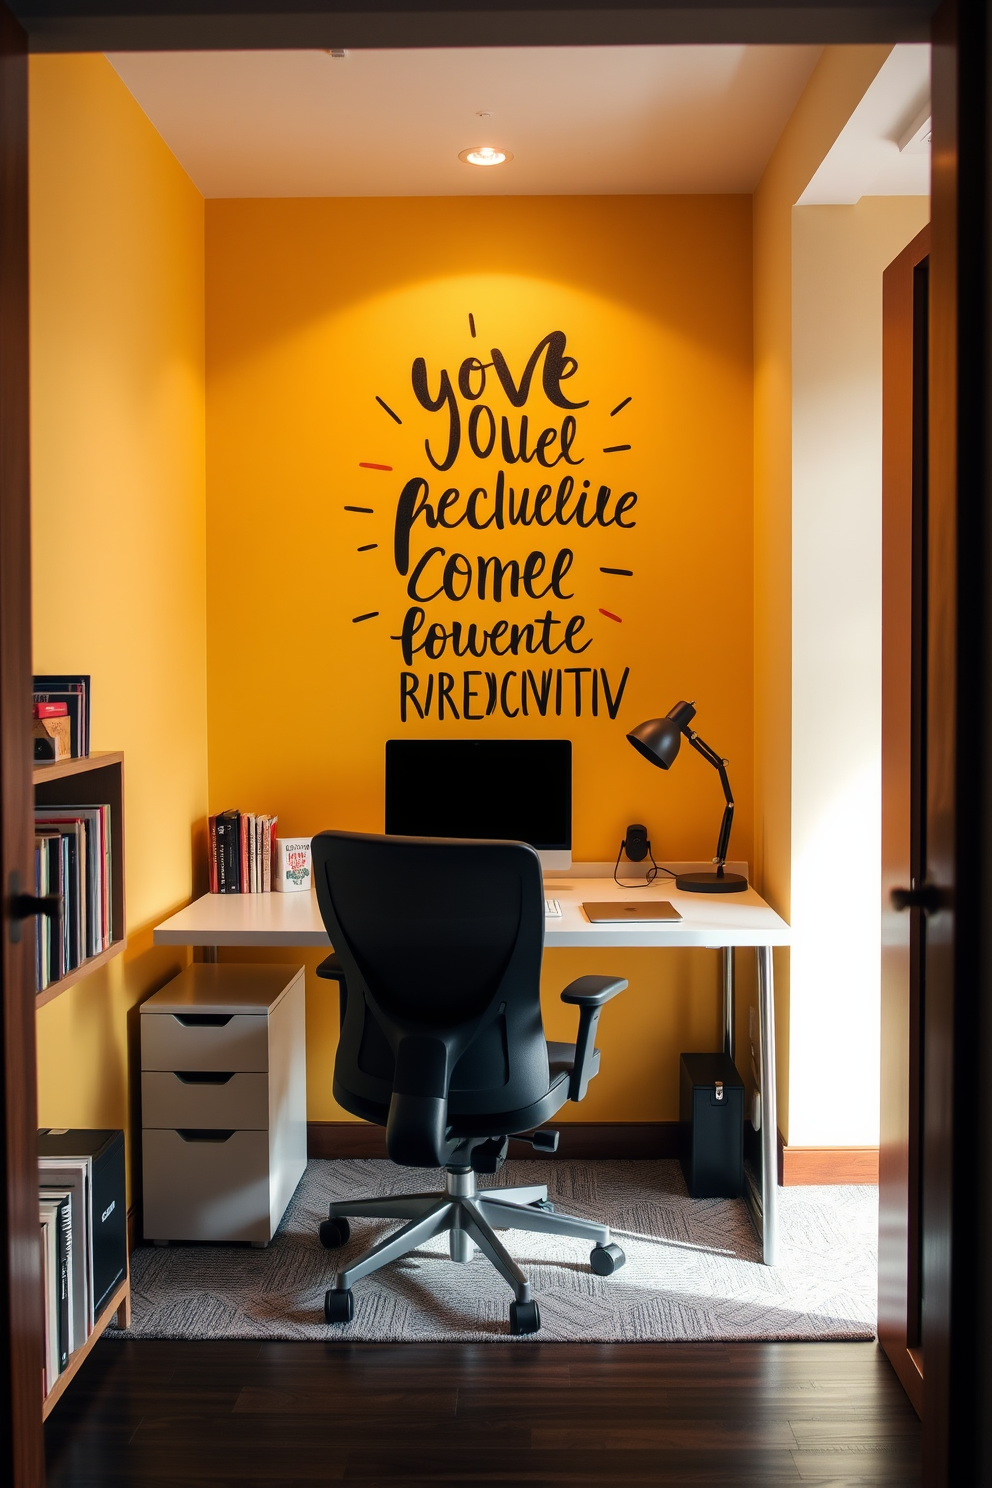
(223, 1102)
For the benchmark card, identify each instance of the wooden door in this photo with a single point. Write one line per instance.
(905, 311)
(21, 1458)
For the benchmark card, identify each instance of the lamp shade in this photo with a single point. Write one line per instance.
(659, 738)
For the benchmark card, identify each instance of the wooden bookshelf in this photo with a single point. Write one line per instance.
(120, 1303)
(89, 781)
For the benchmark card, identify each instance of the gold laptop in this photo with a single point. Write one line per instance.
(622, 911)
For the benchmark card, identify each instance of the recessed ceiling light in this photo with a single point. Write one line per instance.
(484, 155)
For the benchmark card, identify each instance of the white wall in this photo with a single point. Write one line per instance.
(839, 254)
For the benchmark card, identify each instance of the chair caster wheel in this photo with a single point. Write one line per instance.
(333, 1232)
(339, 1305)
(606, 1259)
(525, 1317)
(545, 1206)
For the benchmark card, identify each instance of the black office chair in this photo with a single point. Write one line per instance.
(438, 947)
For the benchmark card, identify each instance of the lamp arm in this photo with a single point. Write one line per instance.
(710, 754)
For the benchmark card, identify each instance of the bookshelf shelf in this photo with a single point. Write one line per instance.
(120, 1303)
(89, 780)
(92, 963)
(60, 769)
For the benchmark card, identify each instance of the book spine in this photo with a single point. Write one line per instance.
(212, 850)
(233, 854)
(243, 882)
(249, 821)
(64, 1238)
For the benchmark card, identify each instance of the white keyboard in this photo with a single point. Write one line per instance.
(552, 909)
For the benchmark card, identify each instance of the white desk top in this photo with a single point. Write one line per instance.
(294, 919)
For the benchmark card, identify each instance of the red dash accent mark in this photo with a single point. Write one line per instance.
(366, 465)
(610, 616)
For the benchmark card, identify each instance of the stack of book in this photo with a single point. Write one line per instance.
(241, 850)
(83, 1255)
(73, 691)
(72, 858)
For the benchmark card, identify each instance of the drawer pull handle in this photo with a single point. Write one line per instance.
(201, 1134)
(203, 1020)
(204, 1077)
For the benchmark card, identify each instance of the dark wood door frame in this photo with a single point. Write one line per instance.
(958, 1136)
(957, 1159)
(20, 1281)
(121, 25)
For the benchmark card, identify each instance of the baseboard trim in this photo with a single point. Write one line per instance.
(578, 1139)
(799, 1166)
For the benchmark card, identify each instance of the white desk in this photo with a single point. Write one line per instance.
(722, 921)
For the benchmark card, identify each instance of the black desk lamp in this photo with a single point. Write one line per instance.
(658, 740)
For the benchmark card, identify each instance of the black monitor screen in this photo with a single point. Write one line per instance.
(518, 789)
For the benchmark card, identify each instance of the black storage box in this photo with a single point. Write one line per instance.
(108, 1201)
(711, 1126)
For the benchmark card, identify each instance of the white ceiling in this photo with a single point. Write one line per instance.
(578, 120)
(865, 159)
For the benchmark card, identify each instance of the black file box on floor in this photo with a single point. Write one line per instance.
(711, 1126)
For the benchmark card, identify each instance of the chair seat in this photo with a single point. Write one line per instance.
(561, 1059)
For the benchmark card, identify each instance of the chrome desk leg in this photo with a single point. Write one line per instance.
(729, 1000)
(769, 1106)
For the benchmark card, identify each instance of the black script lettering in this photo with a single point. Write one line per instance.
(533, 637)
(538, 693)
(542, 694)
(445, 682)
(468, 695)
(509, 508)
(613, 703)
(557, 367)
(409, 684)
(413, 503)
(445, 398)
(626, 503)
(577, 672)
(474, 420)
(468, 366)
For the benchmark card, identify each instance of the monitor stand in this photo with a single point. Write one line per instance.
(554, 860)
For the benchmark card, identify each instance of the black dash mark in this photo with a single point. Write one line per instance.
(369, 546)
(471, 322)
(615, 411)
(625, 573)
(614, 449)
(383, 404)
(370, 616)
(368, 510)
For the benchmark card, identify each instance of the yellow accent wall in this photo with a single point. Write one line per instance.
(118, 501)
(316, 309)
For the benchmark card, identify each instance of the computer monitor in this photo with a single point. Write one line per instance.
(515, 789)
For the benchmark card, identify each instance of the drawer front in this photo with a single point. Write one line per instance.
(213, 1190)
(194, 1041)
(238, 1101)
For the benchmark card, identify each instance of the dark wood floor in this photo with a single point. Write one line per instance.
(208, 1415)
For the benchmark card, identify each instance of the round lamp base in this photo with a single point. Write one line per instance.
(711, 883)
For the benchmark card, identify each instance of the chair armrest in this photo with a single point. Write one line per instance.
(593, 991)
(590, 993)
(332, 971)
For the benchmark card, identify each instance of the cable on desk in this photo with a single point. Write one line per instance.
(649, 877)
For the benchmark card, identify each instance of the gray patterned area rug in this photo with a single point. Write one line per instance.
(693, 1268)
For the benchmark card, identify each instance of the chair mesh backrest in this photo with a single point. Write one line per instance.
(444, 937)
